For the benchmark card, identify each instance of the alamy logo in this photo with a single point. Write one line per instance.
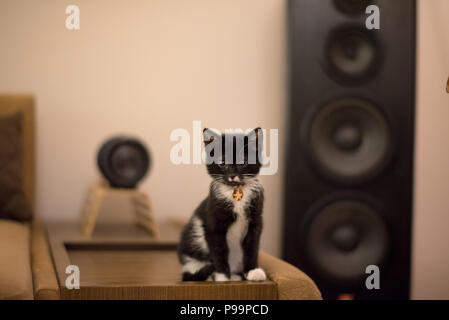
(73, 280)
(72, 22)
(373, 20)
(373, 280)
(189, 148)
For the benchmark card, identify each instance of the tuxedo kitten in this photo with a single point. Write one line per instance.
(221, 240)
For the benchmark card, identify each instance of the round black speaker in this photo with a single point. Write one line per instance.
(123, 161)
(343, 237)
(349, 140)
(352, 7)
(352, 55)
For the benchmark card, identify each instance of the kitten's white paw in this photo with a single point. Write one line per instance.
(256, 274)
(236, 277)
(220, 277)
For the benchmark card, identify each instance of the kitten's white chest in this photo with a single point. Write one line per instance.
(239, 228)
(234, 237)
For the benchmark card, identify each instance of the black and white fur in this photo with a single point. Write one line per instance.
(221, 240)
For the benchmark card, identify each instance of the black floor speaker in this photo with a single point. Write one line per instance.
(349, 167)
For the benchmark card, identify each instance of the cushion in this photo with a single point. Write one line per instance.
(15, 270)
(13, 202)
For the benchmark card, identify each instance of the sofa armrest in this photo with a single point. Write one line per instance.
(45, 283)
(292, 283)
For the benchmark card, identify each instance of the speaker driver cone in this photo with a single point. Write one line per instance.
(353, 55)
(349, 140)
(123, 161)
(344, 237)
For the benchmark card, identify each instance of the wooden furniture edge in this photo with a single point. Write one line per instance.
(45, 283)
(292, 283)
(289, 281)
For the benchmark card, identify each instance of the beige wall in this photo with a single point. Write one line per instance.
(143, 68)
(430, 268)
(149, 67)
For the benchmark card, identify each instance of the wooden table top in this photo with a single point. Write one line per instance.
(121, 261)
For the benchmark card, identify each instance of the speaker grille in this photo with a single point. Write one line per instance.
(123, 161)
(353, 55)
(129, 161)
(349, 161)
(344, 237)
(349, 140)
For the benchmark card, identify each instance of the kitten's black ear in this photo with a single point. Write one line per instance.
(209, 136)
